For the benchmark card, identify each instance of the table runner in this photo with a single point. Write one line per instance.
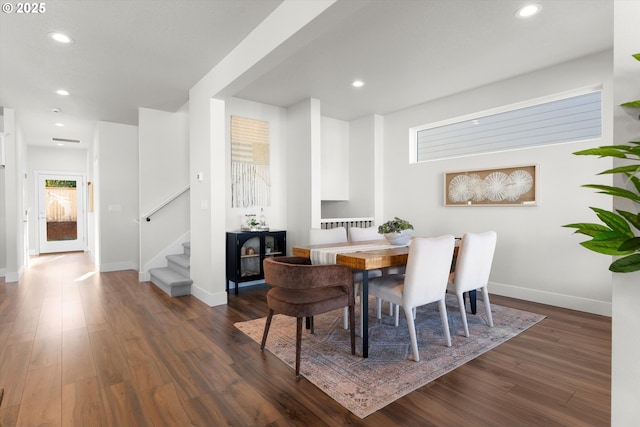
(328, 255)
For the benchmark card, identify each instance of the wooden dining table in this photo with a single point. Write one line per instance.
(366, 260)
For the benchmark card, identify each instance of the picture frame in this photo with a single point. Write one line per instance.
(503, 186)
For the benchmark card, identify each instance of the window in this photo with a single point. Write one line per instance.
(572, 118)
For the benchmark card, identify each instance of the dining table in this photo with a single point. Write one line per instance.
(363, 256)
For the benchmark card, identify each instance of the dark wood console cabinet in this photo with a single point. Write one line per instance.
(247, 249)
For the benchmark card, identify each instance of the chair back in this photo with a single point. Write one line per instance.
(359, 234)
(322, 236)
(475, 257)
(428, 267)
(298, 273)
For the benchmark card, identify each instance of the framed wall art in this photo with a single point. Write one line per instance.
(506, 186)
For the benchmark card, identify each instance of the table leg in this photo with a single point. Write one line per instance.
(364, 296)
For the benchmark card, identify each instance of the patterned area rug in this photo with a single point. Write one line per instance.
(365, 385)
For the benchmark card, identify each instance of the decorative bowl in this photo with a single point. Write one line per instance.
(399, 239)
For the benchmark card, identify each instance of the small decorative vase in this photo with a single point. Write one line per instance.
(399, 239)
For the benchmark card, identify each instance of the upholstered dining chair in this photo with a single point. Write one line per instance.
(322, 236)
(473, 266)
(424, 282)
(300, 289)
(362, 234)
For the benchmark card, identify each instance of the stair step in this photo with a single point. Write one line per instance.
(170, 281)
(187, 248)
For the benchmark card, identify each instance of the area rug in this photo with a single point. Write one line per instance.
(365, 385)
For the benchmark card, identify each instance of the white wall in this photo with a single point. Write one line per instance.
(59, 159)
(13, 225)
(334, 159)
(625, 369)
(536, 258)
(276, 213)
(3, 207)
(117, 191)
(303, 165)
(164, 171)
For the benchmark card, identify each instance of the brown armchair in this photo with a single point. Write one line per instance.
(300, 289)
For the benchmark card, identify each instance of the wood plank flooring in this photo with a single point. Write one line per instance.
(79, 348)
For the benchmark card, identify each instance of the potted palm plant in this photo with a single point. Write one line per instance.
(617, 234)
(397, 231)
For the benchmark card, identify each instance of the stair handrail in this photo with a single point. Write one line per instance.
(170, 199)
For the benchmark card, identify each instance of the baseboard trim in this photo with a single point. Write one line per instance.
(212, 300)
(602, 308)
(117, 266)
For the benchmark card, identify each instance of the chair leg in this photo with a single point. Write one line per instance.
(412, 332)
(267, 325)
(378, 308)
(391, 305)
(445, 322)
(463, 313)
(397, 314)
(472, 301)
(356, 286)
(310, 318)
(352, 328)
(487, 304)
(345, 316)
(298, 343)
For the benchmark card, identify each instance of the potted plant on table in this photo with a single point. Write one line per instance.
(397, 231)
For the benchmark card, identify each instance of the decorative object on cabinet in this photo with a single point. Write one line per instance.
(247, 249)
(510, 186)
(250, 174)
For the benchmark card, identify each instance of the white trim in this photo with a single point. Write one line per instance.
(117, 266)
(212, 300)
(603, 308)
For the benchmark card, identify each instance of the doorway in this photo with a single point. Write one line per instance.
(61, 212)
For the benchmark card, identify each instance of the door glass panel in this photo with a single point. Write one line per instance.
(62, 210)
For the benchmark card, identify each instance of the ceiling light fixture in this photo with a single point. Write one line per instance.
(528, 11)
(357, 83)
(62, 92)
(60, 124)
(61, 38)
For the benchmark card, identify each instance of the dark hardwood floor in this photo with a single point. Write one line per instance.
(79, 348)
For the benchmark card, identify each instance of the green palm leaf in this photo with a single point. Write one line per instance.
(627, 264)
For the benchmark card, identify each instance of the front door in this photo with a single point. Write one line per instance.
(61, 212)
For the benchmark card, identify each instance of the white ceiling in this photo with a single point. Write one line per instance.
(130, 54)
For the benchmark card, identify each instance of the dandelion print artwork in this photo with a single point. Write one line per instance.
(513, 186)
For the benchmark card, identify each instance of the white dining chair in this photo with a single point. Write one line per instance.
(472, 269)
(363, 234)
(323, 236)
(424, 282)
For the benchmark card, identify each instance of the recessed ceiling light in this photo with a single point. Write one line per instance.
(60, 145)
(528, 10)
(357, 83)
(55, 110)
(60, 124)
(62, 92)
(62, 38)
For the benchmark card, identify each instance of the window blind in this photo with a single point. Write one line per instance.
(571, 119)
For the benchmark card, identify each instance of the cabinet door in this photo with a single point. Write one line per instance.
(249, 252)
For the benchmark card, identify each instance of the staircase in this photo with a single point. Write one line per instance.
(174, 279)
